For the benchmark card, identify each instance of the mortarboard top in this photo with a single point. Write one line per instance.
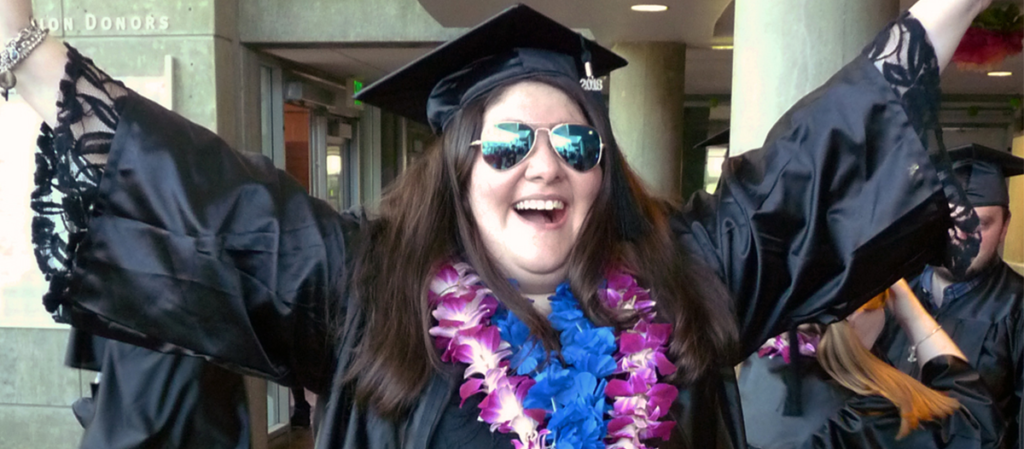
(722, 138)
(519, 42)
(982, 172)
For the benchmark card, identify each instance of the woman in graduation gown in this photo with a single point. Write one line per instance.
(829, 391)
(177, 243)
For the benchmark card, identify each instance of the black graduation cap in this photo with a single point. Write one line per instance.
(516, 44)
(982, 171)
(722, 138)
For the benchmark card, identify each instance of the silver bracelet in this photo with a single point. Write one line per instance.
(16, 51)
(913, 349)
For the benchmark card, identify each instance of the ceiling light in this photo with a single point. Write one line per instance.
(1000, 73)
(649, 8)
(721, 47)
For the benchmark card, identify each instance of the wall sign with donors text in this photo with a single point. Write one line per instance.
(92, 22)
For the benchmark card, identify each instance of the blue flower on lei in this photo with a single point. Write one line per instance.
(573, 393)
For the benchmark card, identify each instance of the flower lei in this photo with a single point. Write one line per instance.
(541, 399)
(779, 345)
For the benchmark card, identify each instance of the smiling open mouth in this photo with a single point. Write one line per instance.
(540, 211)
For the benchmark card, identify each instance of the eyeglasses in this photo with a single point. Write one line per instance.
(578, 145)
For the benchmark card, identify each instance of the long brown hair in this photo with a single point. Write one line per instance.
(845, 358)
(424, 219)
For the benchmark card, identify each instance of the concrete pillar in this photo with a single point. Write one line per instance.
(695, 130)
(1013, 249)
(783, 49)
(646, 108)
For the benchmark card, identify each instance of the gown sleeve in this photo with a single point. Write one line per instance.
(841, 201)
(873, 421)
(833, 416)
(151, 230)
(1017, 346)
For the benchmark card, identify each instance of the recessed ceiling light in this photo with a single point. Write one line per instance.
(721, 47)
(649, 8)
(1000, 73)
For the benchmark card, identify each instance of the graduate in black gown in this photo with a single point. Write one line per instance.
(981, 311)
(829, 391)
(183, 245)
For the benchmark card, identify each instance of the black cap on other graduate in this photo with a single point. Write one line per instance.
(982, 172)
(518, 43)
(722, 138)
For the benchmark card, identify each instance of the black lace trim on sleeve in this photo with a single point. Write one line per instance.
(70, 160)
(907, 61)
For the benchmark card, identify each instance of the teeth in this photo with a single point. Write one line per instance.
(539, 205)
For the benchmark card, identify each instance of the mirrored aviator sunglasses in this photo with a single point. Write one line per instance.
(509, 143)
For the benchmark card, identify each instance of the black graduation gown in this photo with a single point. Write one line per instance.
(152, 399)
(986, 323)
(835, 417)
(198, 249)
(149, 399)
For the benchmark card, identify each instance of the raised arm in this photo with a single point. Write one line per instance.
(946, 21)
(152, 231)
(844, 198)
(39, 74)
(929, 340)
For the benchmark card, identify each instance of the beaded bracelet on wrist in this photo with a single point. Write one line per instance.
(16, 51)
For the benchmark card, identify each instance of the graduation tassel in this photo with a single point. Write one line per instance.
(588, 83)
(631, 221)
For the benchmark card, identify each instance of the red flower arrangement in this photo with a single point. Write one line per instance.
(996, 34)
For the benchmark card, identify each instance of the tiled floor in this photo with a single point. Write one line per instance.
(297, 437)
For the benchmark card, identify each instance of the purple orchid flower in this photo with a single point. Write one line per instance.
(644, 347)
(623, 294)
(503, 410)
(779, 345)
(452, 278)
(457, 312)
(480, 347)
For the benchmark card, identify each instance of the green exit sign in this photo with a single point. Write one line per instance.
(354, 86)
(357, 86)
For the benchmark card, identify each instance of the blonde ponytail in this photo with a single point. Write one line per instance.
(846, 359)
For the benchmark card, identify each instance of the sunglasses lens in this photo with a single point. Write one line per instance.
(508, 144)
(579, 145)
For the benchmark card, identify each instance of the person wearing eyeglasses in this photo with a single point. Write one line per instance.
(830, 391)
(517, 286)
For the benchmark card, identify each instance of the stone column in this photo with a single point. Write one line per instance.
(1013, 249)
(783, 49)
(646, 107)
(694, 161)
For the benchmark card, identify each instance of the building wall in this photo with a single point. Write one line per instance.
(36, 390)
(185, 48)
(350, 21)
